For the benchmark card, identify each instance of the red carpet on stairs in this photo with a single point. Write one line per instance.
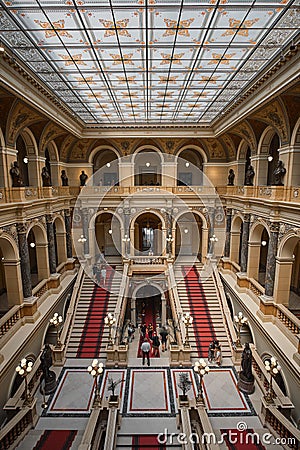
(202, 323)
(146, 442)
(242, 440)
(91, 337)
(149, 317)
(56, 440)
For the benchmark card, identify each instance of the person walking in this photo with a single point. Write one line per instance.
(155, 345)
(145, 347)
(218, 353)
(150, 330)
(103, 275)
(130, 331)
(211, 351)
(164, 337)
(143, 329)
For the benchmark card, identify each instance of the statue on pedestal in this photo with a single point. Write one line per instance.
(231, 177)
(46, 177)
(279, 173)
(16, 175)
(246, 378)
(83, 178)
(49, 376)
(249, 176)
(64, 178)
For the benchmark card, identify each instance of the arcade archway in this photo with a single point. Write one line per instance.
(148, 235)
(108, 235)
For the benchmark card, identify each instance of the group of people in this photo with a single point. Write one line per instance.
(99, 274)
(215, 352)
(150, 338)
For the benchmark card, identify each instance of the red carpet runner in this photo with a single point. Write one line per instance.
(203, 325)
(91, 337)
(146, 442)
(56, 439)
(149, 317)
(242, 440)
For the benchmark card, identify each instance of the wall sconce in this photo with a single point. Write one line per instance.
(25, 160)
(32, 244)
(185, 231)
(270, 158)
(108, 165)
(263, 243)
(187, 164)
(148, 164)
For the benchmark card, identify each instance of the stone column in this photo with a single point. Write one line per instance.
(85, 230)
(283, 273)
(211, 229)
(228, 231)
(271, 260)
(68, 233)
(51, 244)
(25, 260)
(245, 239)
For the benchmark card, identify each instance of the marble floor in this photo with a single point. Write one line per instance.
(148, 400)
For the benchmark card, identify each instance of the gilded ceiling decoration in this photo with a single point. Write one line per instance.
(147, 62)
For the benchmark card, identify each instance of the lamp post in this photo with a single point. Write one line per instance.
(240, 320)
(56, 321)
(213, 241)
(273, 368)
(201, 368)
(110, 320)
(95, 370)
(187, 319)
(82, 240)
(126, 240)
(24, 368)
(169, 240)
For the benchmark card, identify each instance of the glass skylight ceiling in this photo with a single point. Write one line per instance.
(147, 61)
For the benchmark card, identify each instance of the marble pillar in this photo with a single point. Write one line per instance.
(25, 260)
(271, 261)
(211, 230)
(228, 232)
(163, 309)
(68, 233)
(245, 239)
(51, 244)
(85, 230)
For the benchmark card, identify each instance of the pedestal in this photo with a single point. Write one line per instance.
(49, 385)
(246, 386)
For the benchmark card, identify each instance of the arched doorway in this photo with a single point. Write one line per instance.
(258, 251)
(38, 254)
(22, 159)
(273, 158)
(190, 168)
(147, 168)
(11, 292)
(148, 305)
(108, 235)
(107, 161)
(148, 235)
(189, 238)
(286, 284)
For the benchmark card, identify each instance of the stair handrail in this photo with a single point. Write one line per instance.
(70, 316)
(93, 429)
(282, 427)
(121, 304)
(178, 307)
(229, 327)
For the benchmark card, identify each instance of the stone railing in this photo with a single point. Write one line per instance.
(121, 305)
(255, 287)
(288, 319)
(9, 320)
(277, 193)
(15, 430)
(284, 430)
(148, 260)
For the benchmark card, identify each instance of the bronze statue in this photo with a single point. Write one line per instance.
(64, 178)
(246, 372)
(249, 176)
(16, 175)
(231, 177)
(83, 178)
(279, 173)
(46, 177)
(46, 361)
